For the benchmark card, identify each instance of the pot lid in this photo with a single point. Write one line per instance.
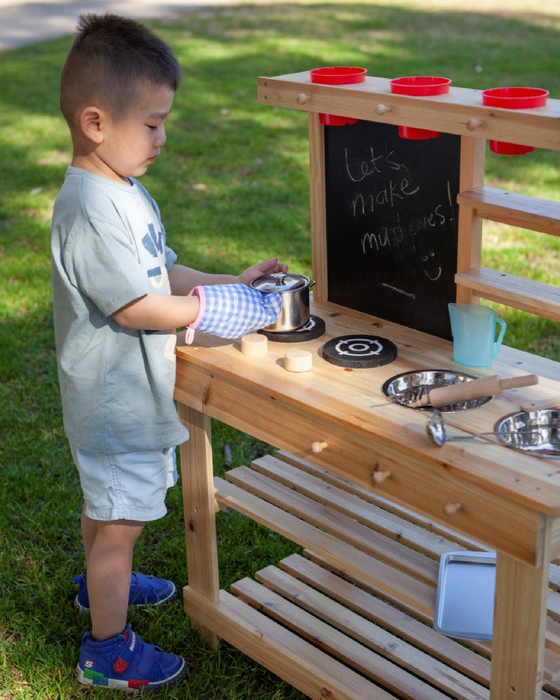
(280, 282)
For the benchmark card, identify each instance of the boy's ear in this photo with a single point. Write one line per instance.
(91, 123)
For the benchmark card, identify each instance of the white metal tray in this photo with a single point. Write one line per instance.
(465, 595)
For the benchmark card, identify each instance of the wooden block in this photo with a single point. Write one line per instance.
(254, 344)
(298, 361)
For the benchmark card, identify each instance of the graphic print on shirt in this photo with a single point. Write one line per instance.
(153, 242)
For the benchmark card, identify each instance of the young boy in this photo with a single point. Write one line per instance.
(119, 297)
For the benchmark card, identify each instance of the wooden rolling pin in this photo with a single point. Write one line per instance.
(475, 389)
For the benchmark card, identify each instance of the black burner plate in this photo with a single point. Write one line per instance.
(314, 328)
(359, 351)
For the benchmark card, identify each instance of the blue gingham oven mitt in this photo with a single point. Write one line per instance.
(233, 310)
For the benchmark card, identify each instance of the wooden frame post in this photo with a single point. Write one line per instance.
(200, 512)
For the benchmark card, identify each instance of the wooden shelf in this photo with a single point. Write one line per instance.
(512, 209)
(535, 297)
(363, 593)
(523, 212)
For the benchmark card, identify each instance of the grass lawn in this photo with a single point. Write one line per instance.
(233, 188)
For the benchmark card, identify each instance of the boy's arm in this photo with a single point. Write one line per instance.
(161, 312)
(183, 279)
(158, 312)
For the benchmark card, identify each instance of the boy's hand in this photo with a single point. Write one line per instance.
(233, 310)
(267, 267)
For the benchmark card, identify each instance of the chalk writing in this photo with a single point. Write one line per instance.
(399, 291)
(375, 164)
(389, 194)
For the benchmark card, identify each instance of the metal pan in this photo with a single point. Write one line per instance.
(465, 595)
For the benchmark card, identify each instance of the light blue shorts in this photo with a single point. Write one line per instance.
(128, 486)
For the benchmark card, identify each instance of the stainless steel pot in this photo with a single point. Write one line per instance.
(294, 289)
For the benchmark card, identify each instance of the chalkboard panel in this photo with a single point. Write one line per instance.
(392, 223)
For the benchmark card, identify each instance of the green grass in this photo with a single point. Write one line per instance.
(233, 188)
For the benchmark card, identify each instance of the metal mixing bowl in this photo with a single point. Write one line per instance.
(533, 432)
(407, 387)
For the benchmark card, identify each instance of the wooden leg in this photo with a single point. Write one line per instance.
(200, 510)
(519, 627)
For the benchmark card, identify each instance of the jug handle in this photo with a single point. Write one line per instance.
(498, 342)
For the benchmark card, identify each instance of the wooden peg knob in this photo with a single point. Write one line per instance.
(379, 476)
(381, 109)
(451, 508)
(473, 124)
(303, 99)
(318, 447)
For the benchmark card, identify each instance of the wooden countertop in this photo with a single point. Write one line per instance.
(343, 398)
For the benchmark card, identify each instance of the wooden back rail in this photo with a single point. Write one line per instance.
(459, 112)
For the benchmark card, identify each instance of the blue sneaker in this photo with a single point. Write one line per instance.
(144, 590)
(127, 663)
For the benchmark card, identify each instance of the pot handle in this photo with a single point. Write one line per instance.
(312, 283)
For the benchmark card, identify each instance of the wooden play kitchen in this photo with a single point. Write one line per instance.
(372, 501)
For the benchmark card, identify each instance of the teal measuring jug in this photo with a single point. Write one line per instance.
(474, 334)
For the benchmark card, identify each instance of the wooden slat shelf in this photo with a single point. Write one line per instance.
(513, 209)
(263, 639)
(534, 297)
(364, 591)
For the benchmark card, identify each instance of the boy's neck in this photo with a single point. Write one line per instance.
(86, 163)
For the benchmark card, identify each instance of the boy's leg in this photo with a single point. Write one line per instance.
(112, 655)
(109, 547)
(144, 589)
(89, 532)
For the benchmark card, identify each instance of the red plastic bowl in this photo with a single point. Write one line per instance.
(503, 148)
(515, 97)
(413, 133)
(335, 120)
(420, 85)
(338, 75)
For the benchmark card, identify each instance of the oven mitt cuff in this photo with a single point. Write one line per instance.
(233, 310)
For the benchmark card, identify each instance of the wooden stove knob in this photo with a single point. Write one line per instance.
(254, 344)
(298, 361)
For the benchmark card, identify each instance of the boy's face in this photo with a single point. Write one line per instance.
(131, 144)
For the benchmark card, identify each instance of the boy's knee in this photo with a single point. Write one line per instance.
(120, 531)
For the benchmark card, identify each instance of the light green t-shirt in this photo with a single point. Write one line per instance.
(108, 249)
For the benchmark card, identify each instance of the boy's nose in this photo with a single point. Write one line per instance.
(161, 137)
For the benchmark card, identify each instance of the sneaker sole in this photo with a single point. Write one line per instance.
(132, 686)
(82, 610)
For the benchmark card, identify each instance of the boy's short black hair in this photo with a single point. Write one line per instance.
(109, 58)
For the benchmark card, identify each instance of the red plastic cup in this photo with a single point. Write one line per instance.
(337, 75)
(513, 98)
(419, 86)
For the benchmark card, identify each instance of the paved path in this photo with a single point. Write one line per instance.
(23, 22)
